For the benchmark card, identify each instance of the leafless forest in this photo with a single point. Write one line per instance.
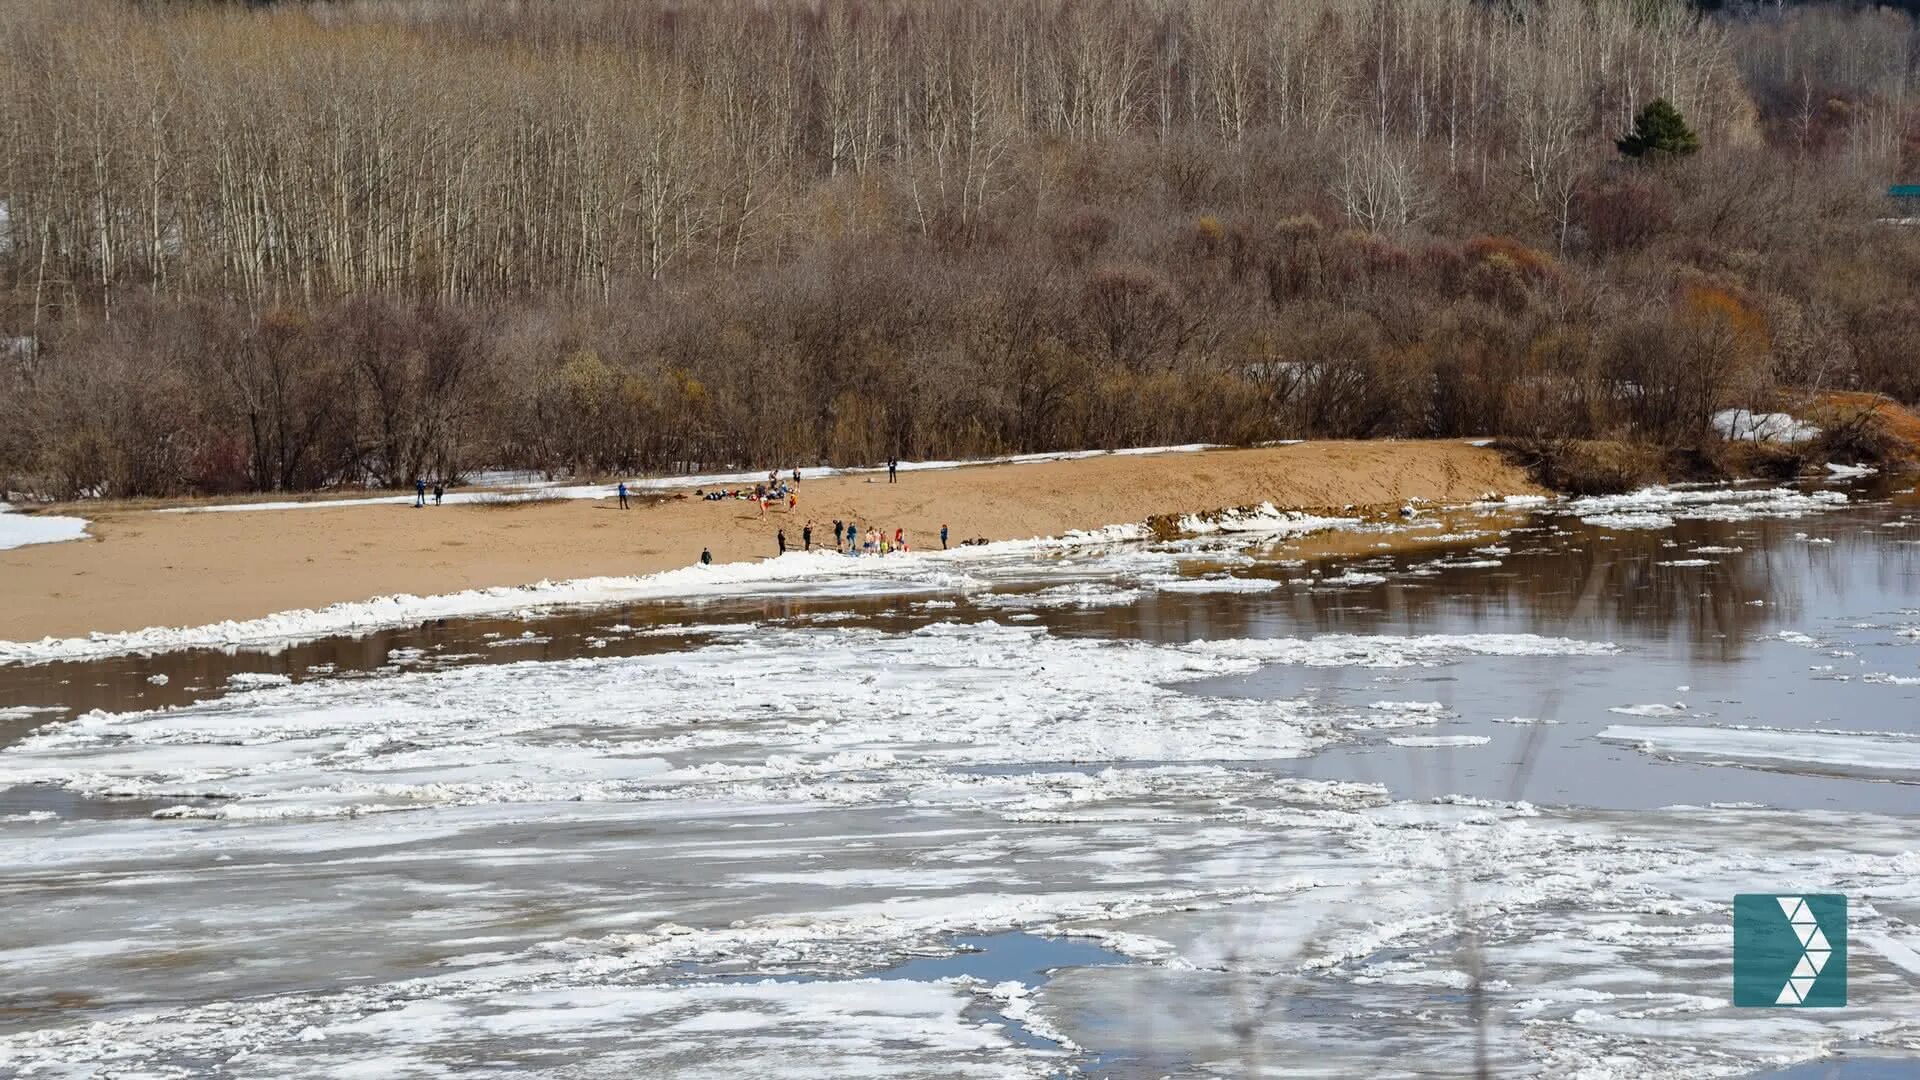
(283, 247)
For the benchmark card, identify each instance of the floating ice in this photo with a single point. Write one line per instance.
(1656, 710)
(1227, 584)
(1353, 577)
(1441, 741)
(802, 704)
(1860, 753)
(1660, 507)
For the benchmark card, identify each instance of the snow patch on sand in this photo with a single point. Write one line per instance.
(20, 530)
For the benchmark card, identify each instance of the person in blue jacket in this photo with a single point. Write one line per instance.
(419, 494)
(623, 494)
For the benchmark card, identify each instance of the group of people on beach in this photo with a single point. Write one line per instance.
(847, 535)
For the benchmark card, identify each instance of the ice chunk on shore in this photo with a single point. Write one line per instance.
(1264, 518)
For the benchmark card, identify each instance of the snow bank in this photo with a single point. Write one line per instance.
(1742, 425)
(19, 530)
(1265, 518)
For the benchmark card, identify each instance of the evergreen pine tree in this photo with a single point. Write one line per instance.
(1659, 131)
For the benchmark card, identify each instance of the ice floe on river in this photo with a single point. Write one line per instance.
(801, 706)
(1660, 507)
(1878, 755)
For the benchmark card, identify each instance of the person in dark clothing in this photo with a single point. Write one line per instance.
(706, 557)
(439, 492)
(893, 470)
(623, 494)
(806, 537)
(783, 541)
(943, 538)
(838, 528)
(419, 494)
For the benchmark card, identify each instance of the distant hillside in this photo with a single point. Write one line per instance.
(302, 244)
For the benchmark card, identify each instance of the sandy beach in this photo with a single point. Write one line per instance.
(142, 568)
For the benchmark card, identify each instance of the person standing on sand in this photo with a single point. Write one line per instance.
(943, 537)
(806, 537)
(899, 539)
(837, 529)
(623, 494)
(793, 501)
(439, 492)
(763, 504)
(419, 493)
(706, 557)
(783, 541)
(893, 470)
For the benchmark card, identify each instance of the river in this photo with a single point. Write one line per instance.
(1215, 806)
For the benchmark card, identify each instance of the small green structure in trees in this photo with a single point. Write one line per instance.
(1659, 131)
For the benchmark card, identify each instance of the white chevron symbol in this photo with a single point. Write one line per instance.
(1814, 951)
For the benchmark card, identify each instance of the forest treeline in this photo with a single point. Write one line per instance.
(363, 241)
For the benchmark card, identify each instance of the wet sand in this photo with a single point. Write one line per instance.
(143, 568)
